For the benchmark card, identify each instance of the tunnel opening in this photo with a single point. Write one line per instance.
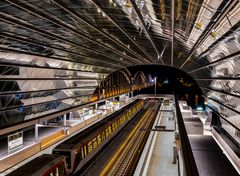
(170, 80)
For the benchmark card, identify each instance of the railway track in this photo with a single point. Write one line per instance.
(126, 158)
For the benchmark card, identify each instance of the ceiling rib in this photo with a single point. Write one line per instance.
(216, 19)
(173, 19)
(223, 117)
(53, 78)
(45, 90)
(32, 41)
(215, 62)
(45, 102)
(220, 91)
(146, 30)
(12, 64)
(29, 8)
(217, 101)
(217, 78)
(120, 28)
(77, 15)
(53, 58)
(231, 31)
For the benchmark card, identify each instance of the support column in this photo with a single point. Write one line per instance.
(96, 107)
(65, 120)
(36, 132)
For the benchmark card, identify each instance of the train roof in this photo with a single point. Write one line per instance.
(35, 165)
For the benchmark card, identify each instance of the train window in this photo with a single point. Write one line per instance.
(99, 140)
(58, 171)
(61, 169)
(106, 132)
(82, 152)
(94, 143)
(85, 150)
(67, 155)
(114, 126)
(90, 148)
(103, 135)
(78, 157)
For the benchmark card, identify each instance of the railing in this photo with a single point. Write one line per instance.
(190, 168)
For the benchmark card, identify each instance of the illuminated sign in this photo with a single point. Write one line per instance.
(15, 141)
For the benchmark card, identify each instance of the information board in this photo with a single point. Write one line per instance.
(15, 141)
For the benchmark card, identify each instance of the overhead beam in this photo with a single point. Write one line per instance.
(217, 101)
(7, 93)
(8, 78)
(217, 78)
(77, 15)
(216, 61)
(26, 123)
(220, 91)
(30, 9)
(219, 40)
(41, 103)
(13, 64)
(145, 28)
(120, 28)
(33, 41)
(218, 114)
(173, 20)
(216, 19)
(52, 58)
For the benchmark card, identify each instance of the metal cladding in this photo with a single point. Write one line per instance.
(53, 54)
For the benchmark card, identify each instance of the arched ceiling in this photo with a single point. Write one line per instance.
(48, 45)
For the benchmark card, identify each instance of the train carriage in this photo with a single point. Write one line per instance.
(80, 150)
(44, 165)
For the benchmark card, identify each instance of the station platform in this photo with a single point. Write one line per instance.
(162, 155)
(48, 137)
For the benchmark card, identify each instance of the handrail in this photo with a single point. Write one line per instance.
(188, 158)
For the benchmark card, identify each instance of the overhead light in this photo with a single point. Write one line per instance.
(103, 14)
(198, 26)
(98, 10)
(121, 58)
(214, 34)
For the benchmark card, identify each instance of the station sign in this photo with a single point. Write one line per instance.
(15, 141)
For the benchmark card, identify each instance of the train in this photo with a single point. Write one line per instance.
(44, 165)
(75, 152)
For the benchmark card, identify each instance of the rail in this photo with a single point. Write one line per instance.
(144, 161)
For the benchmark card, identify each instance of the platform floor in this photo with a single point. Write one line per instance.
(161, 163)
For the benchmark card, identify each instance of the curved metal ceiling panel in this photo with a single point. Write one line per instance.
(62, 49)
